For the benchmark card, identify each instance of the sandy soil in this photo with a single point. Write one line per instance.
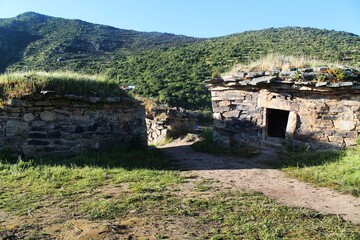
(255, 174)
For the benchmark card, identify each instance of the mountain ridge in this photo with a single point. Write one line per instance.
(164, 66)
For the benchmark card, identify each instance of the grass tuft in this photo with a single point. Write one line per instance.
(285, 62)
(22, 83)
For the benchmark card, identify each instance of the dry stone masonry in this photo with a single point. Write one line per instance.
(276, 108)
(52, 124)
(168, 122)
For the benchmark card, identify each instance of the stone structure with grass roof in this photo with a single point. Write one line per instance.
(317, 107)
(60, 114)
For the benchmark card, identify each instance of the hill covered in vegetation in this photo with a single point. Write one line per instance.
(167, 67)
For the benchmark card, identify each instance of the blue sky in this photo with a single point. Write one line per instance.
(199, 18)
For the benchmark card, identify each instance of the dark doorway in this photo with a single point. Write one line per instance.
(277, 122)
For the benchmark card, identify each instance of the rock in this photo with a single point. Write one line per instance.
(221, 109)
(42, 103)
(352, 134)
(244, 82)
(228, 78)
(350, 141)
(93, 99)
(344, 125)
(262, 80)
(19, 103)
(37, 135)
(321, 68)
(225, 103)
(45, 92)
(75, 97)
(91, 144)
(285, 74)
(14, 127)
(48, 116)
(81, 119)
(309, 76)
(321, 84)
(214, 81)
(13, 141)
(217, 116)
(28, 117)
(306, 70)
(231, 114)
(113, 99)
(240, 75)
(291, 125)
(125, 117)
(340, 84)
(255, 74)
(38, 142)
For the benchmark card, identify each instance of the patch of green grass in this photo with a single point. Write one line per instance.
(22, 83)
(204, 185)
(24, 184)
(226, 215)
(338, 170)
(250, 215)
(124, 184)
(208, 145)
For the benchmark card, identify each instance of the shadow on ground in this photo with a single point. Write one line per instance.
(185, 157)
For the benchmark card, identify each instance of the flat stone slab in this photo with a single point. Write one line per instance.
(214, 81)
(340, 84)
(262, 80)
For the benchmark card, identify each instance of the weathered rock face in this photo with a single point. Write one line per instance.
(162, 123)
(61, 125)
(275, 112)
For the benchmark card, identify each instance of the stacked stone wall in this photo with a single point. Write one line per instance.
(163, 123)
(43, 125)
(318, 119)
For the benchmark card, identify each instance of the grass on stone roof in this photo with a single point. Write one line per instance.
(22, 83)
(277, 60)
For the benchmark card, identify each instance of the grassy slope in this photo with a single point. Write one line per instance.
(175, 74)
(164, 66)
(146, 189)
(78, 45)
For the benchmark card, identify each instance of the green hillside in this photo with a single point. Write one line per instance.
(168, 67)
(57, 43)
(175, 75)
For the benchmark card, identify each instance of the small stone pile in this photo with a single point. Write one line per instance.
(168, 122)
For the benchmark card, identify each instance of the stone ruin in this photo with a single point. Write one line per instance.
(168, 122)
(302, 106)
(50, 124)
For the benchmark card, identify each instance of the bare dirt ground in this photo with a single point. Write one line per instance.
(255, 174)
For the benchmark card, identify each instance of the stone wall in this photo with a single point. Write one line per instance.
(163, 123)
(49, 124)
(317, 116)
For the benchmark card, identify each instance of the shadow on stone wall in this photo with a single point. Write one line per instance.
(231, 132)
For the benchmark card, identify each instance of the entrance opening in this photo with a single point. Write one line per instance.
(276, 122)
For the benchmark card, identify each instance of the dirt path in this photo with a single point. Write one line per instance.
(254, 174)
